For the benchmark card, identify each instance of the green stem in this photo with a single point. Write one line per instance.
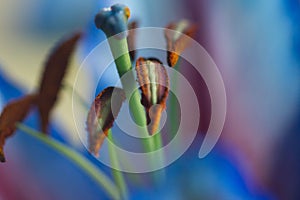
(118, 175)
(119, 50)
(173, 112)
(120, 53)
(84, 164)
(158, 140)
(160, 175)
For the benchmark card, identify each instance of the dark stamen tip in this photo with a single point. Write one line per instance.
(2, 157)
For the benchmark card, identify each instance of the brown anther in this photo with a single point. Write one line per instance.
(51, 81)
(177, 40)
(131, 39)
(154, 84)
(101, 116)
(13, 112)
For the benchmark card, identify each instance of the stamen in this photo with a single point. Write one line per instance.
(12, 113)
(101, 117)
(177, 39)
(51, 81)
(154, 82)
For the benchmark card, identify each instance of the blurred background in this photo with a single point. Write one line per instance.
(254, 43)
